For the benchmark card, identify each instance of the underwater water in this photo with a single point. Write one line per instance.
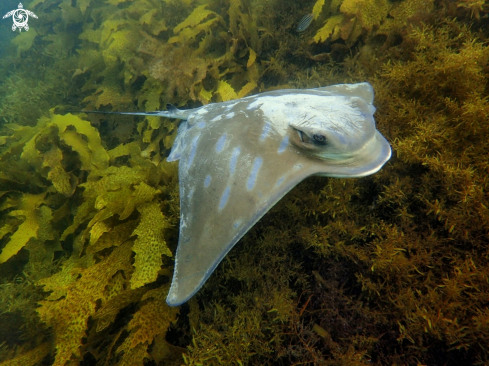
(6, 34)
(389, 269)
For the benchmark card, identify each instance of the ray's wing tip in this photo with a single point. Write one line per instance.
(179, 294)
(176, 299)
(173, 300)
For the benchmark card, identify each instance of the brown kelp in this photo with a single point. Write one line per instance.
(389, 269)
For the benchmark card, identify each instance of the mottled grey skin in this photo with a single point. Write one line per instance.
(219, 203)
(238, 158)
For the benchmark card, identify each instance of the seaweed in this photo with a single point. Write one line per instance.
(92, 275)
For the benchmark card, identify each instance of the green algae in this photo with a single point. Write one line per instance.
(389, 269)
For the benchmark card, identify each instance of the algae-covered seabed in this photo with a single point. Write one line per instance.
(390, 269)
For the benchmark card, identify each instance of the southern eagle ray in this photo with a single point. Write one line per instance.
(238, 158)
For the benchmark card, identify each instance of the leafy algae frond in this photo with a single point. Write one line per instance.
(28, 208)
(100, 266)
(352, 20)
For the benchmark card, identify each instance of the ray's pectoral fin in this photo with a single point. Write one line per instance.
(217, 212)
(238, 158)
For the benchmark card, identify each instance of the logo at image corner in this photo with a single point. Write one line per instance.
(20, 17)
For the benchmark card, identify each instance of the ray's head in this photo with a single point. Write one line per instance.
(345, 140)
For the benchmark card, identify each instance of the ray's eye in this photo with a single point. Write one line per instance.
(316, 139)
(319, 139)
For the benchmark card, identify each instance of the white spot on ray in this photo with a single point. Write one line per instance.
(234, 159)
(280, 181)
(220, 143)
(192, 151)
(218, 118)
(207, 181)
(283, 144)
(254, 173)
(224, 198)
(201, 124)
(266, 130)
(228, 107)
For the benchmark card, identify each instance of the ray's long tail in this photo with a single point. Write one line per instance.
(171, 112)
